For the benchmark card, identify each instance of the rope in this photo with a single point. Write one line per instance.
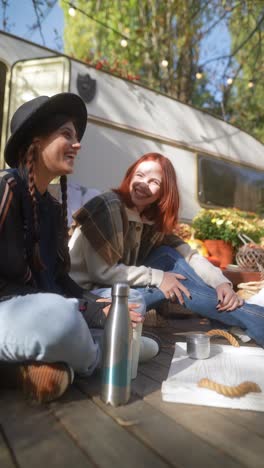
(229, 391)
(232, 340)
(232, 392)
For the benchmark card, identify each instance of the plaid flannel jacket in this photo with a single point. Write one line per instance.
(104, 222)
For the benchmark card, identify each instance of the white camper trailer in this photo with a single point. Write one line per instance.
(216, 163)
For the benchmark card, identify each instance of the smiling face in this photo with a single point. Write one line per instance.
(58, 151)
(145, 185)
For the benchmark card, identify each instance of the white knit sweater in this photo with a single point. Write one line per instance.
(90, 271)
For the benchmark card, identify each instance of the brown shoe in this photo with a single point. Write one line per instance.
(39, 382)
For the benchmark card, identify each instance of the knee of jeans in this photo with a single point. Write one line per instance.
(103, 292)
(164, 253)
(57, 321)
(165, 249)
(44, 327)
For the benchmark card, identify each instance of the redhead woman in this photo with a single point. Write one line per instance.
(44, 337)
(128, 234)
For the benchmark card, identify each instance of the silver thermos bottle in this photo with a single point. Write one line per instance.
(117, 349)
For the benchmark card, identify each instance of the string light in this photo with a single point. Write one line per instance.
(199, 73)
(123, 43)
(107, 26)
(72, 11)
(164, 63)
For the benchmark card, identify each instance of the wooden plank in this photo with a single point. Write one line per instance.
(106, 442)
(252, 419)
(240, 442)
(6, 459)
(169, 440)
(154, 370)
(36, 438)
(143, 385)
(150, 374)
(164, 359)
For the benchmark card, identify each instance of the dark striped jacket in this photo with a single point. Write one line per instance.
(16, 240)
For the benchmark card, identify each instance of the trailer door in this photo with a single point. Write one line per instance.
(32, 78)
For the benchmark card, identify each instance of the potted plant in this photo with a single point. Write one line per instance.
(219, 230)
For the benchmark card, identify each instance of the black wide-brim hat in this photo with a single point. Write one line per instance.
(26, 121)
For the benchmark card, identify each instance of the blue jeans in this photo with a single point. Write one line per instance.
(204, 298)
(134, 297)
(48, 328)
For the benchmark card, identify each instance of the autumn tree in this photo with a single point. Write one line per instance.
(157, 32)
(243, 99)
(164, 41)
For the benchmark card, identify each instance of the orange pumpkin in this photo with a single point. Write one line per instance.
(214, 260)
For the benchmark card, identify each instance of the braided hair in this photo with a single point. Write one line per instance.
(30, 154)
(30, 158)
(64, 197)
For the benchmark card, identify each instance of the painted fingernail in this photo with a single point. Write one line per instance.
(190, 297)
(219, 301)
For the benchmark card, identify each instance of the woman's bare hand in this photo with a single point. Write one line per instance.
(135, 317)
(107, 308)
(172, 288)
(227, 298)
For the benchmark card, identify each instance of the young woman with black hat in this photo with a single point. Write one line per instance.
(43, 335)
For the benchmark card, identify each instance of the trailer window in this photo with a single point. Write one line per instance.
(223, 184)
(32, 78)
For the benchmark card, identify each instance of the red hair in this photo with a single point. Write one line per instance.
(164, 212)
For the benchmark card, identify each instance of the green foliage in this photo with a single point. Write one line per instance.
(226, 224)
(156, 30)
(175, 30)
(87, 40)
(244, 105)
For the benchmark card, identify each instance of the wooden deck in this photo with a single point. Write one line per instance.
(80, 431)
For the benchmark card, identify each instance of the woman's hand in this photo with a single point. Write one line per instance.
(135, 317)
(227, 298)
(107, 308)
(172, 288)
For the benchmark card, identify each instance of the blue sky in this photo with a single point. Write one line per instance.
(21, 16)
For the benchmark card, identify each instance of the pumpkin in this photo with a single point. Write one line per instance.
(214, 260)
(199, 246)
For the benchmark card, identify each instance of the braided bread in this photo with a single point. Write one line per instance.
(232, 392)
(217, 332)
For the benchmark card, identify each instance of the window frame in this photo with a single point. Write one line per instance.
(202, 198)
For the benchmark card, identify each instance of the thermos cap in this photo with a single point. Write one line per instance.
(120, 289)
(198, 346)
(198, 338)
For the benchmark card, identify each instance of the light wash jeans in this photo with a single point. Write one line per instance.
(135, 296)
(47, 327)
(204, 298)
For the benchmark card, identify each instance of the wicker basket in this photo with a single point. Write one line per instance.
(246, 290)
(153, 319)
(250, 256)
